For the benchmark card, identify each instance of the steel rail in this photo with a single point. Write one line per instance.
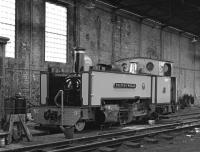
(113, 142)
(92, 138)
(195, 113)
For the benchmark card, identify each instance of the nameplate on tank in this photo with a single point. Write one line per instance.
(124, 85)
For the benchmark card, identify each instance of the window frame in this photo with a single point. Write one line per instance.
(67, 31)
(15, 33)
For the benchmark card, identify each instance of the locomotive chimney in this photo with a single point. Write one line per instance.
(78, 59)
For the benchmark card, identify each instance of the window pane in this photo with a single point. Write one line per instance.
(7, 25)
(55, 33)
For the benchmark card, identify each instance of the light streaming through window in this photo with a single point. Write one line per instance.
(55, 33)
(7, 25)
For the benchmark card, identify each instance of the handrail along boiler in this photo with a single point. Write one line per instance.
(138, 88)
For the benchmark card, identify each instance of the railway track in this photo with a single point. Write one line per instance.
(114, 142)
(107, 139)
(172, 118)
(183, 115)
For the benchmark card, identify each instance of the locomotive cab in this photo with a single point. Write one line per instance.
(164, 84)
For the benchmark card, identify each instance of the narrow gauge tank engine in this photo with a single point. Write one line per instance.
(142, 88)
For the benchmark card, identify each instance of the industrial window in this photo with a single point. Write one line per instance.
(7, 25)
(55, 33)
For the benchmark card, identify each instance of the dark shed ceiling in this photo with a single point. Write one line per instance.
(181, 14)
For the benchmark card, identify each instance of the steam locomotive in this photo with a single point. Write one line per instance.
(134, 88)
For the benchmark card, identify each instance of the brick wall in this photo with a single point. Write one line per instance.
(106, 38)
